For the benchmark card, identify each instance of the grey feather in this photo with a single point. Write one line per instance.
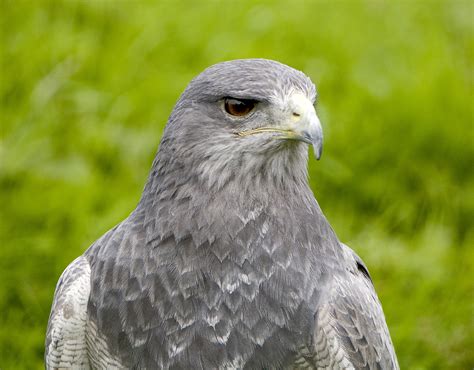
(66, 336)
(228, 261)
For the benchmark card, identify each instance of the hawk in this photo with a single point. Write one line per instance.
(227, 262)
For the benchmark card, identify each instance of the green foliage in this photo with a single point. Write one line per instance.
(86, 88)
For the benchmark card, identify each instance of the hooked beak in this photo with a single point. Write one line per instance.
(300, 124)
(311, 132)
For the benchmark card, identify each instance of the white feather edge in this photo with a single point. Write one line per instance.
(67, 326)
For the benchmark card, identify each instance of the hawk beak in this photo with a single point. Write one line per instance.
(304, 124)
(309, 130)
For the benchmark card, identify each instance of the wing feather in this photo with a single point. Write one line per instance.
(350, 331)
(66, 345)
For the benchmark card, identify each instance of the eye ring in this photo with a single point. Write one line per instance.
(239, 107)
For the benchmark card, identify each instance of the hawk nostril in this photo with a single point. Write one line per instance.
(296, 114)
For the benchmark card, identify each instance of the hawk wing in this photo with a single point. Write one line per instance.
(66, 345)
(350, 331)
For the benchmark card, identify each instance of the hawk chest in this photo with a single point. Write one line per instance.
(209, 313)
(186, 301)
(234, 312)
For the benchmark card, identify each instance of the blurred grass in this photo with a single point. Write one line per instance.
(86, 88)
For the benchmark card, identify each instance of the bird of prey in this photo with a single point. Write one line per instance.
(227, 262)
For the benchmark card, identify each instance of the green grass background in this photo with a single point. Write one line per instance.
(86, 88)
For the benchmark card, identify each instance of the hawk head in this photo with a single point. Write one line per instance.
(242, 118)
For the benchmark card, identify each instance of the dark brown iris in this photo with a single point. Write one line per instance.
(238, 107)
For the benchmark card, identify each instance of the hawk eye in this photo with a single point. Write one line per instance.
(238, 107)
